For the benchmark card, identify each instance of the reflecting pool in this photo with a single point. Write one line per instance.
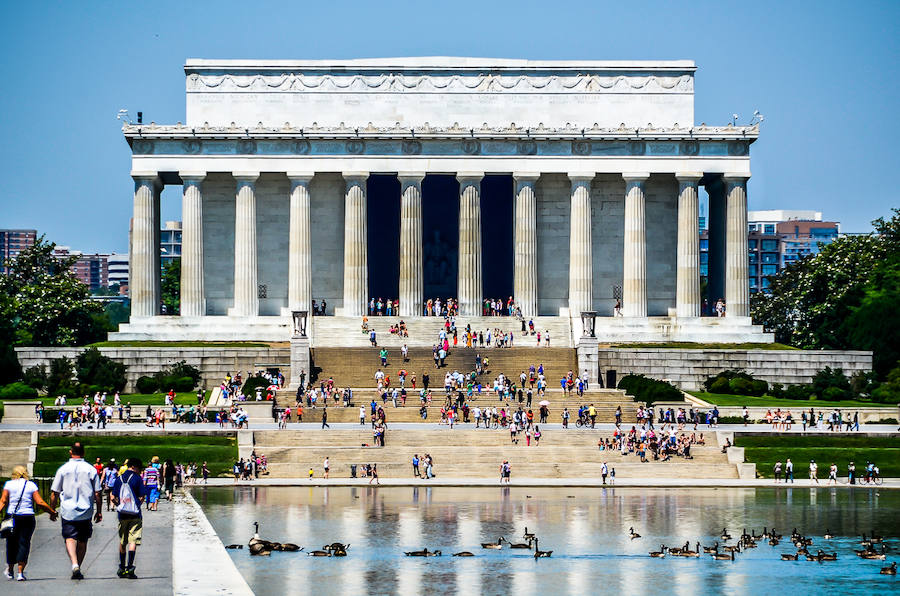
(587, 530)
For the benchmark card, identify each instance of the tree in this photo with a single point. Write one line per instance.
(44, 302)
(170, 286)
(93, 368)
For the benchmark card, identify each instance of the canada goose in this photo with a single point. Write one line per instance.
(517, 545)
(435, 553)
(494, 545)
(765, 533)
(889, 570)
(528, 535)
(876, 539)
(336, 546)
(732, 549)
(633, 534)
(464, 553)
(711, 549)
(725, 534)
(417, 553)
(749, 544)
(288, 547)
(865, 542)
(723, 556)
(659, 554)
(774, 542)
(823, 556)
(788, 557)
(828, 535)
(235, 546)
(256, 539)
(339, 553)
(687, 552)
(260, 550)
(319, 553)
(540, 553)
(811, 557)
(772, 534)
(873, 555)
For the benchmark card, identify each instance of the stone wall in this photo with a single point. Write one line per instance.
(214, 362)
(218, 242)
(326, 216)
(689, 368)
(552, 198)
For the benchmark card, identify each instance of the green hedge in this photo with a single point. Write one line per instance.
(18, 391)
(824, 449)
(649, 390)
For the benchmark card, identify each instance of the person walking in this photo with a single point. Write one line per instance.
(415, 465)
(604, 472)
(788, 471)
(814, 471)
(76, 488)
(777, 471)
(26, 496)
(325, 418)
(128, 492)
(325, 467)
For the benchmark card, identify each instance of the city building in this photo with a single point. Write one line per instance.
(344, 180)
(12, 242)
(118, 271)
(170, 242)
(90, 269)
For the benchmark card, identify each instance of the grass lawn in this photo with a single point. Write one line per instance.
(141, 399)
(218, 451)
(179, 344)
(841, 449)
(766, 401)
(687, 345)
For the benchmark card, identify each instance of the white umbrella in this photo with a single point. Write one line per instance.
(543, 402)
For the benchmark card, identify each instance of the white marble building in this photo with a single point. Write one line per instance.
(604, 158)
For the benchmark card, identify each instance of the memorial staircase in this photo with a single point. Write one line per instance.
(473, 453)
(423, 331)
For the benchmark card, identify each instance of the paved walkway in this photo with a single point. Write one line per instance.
(49, 569)
(608, 427)
(891, 483)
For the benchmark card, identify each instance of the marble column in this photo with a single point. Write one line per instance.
(737, 289)
(634, 267)
(143, 275)
(356, 263)
(581, 265)
(687, 279)
(469, 284)
(246, 296)
(412, 282)
(299, 249)
(193, 298)
(525, 244)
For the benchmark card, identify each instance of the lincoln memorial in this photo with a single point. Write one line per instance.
(569, 186)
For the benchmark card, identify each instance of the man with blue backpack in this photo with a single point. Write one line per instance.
(128, 493)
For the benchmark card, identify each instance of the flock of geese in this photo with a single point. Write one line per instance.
(260, 547)
(747, 541)
(531, 544)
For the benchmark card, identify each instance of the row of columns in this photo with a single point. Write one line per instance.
(145, 291)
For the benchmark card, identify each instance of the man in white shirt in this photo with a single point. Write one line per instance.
(76, 488)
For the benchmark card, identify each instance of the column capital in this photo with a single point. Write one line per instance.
(300, 177)
(526, 177)
(733, 180)
(408, 179)
(146, 177)
(192, 178)
(245, 177)
(467, 179)
(688, 177)
(635, 176)
(581, 176)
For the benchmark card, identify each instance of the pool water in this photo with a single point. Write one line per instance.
(587, 530)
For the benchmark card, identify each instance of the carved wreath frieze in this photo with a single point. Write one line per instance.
(356, 147)
(581, 147)
(737, 148)
(471, 147)
(246, 146)
(593, 83)
(192, 147)
(301, 147)
(528, 147)
(142, 146)
(412, 147)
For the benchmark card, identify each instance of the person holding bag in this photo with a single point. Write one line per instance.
(128, 491)
(20, 497)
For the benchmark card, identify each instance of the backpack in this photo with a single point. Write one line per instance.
(128, 503)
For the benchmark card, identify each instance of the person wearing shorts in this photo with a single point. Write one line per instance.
(151, 484)
(76, 488)
(127, 492)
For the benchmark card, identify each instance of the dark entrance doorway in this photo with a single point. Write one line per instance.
(440, 235)
(383, 210)
(497, 236)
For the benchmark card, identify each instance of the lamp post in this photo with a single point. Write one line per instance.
(299, 317)
(588, 321)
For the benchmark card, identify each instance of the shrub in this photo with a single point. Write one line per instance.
(832, 394)
(185, 384)
(829, 377)
(759, 387)
(889, 391)
(182, 369)
(720, 385)
(98, 370)
(62, 374)
(647, 390)
(800, 392)
(147, 385)
(777, 391)
(35, 376)
(18, 390)
(740, 386)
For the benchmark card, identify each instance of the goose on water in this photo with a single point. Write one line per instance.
(528, 535)
(423, 553)
(725, 534)
(464, 553)
(538, 554)
(789, 557)
(889, 570)
(494, 545)
(633, 534)
(711, 549)
(517, 545)
(659, 554)
(319, 553)
(828, 535)
(823, 556)
(723, 556)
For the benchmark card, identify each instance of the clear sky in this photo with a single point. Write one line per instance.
(824, 73)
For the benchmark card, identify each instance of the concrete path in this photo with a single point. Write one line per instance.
(608, 427)
(49, 570)
(890, 483)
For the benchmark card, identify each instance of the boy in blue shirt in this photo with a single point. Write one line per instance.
(128, 493)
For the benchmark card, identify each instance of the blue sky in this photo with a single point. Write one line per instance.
(825, 74)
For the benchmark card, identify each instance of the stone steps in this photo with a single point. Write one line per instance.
(423, 331)
(410, 413)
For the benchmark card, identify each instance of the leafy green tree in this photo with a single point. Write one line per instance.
(170, 286)
(93, 368)
(44, 302)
